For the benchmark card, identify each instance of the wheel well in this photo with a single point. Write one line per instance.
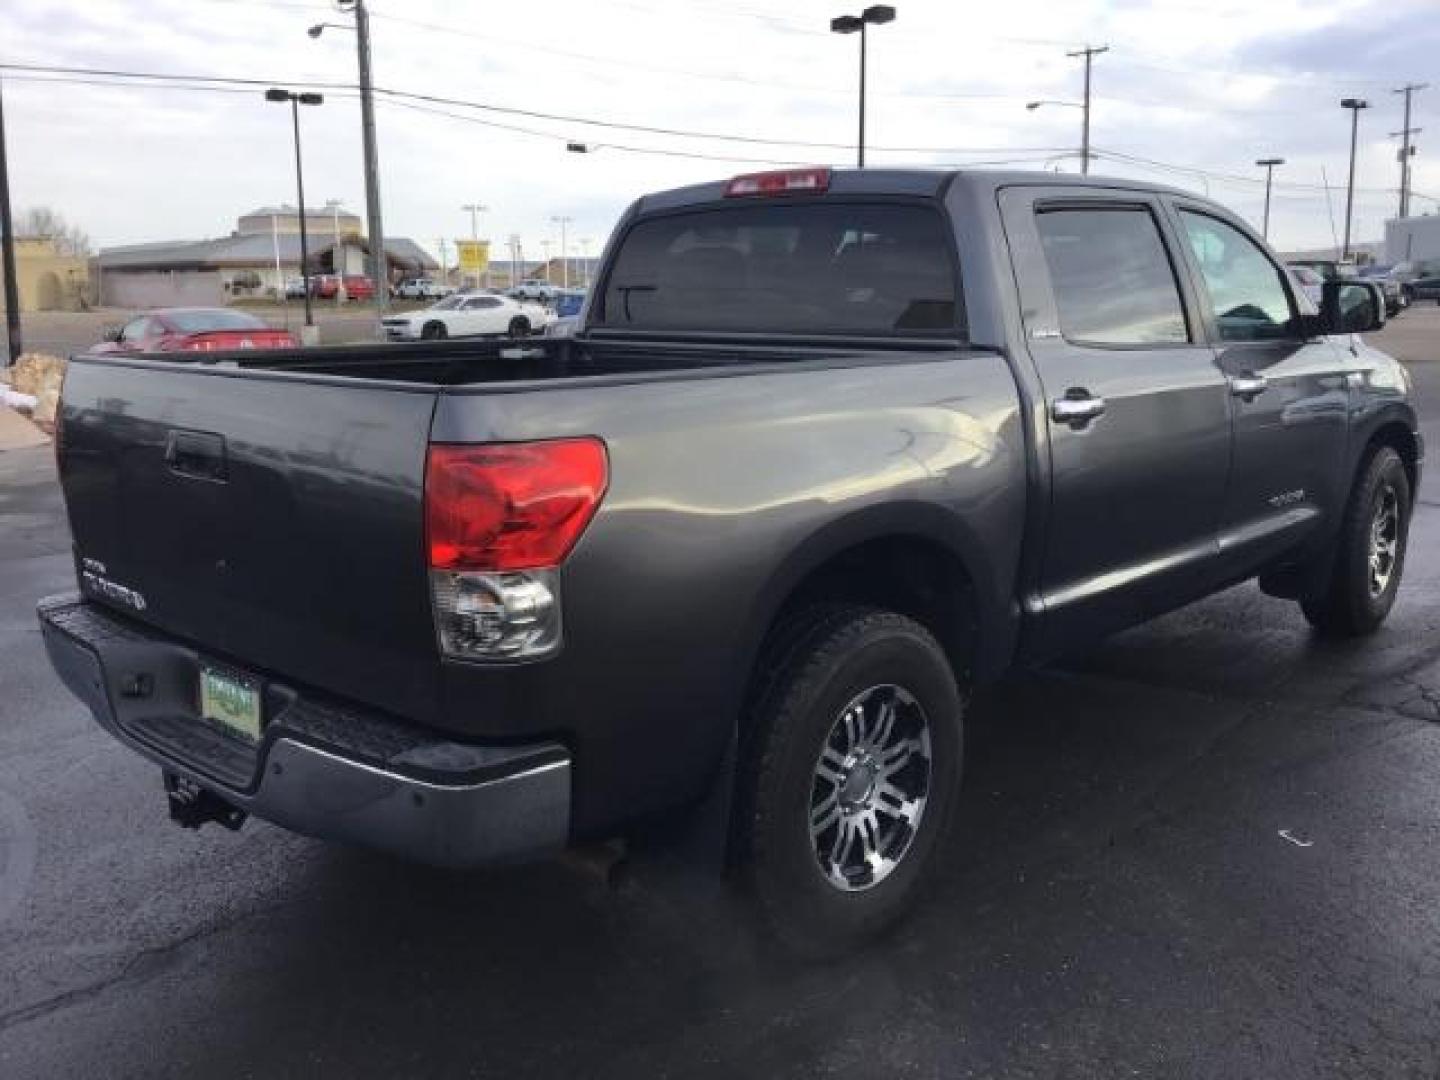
(911, 575)
(1402, 440)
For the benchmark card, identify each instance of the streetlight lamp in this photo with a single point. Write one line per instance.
(1354, 105)
(280, 96)
(476, 209)
(874, 15)
(379, 263)
(1084, 133)
(1268, 164)
(564, 223)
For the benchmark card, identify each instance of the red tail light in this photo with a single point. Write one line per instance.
(511, 506)
(781, 182)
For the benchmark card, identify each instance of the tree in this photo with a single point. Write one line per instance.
(43, 221)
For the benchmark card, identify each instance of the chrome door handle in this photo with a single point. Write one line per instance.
(1248, 386)
(1075, 409)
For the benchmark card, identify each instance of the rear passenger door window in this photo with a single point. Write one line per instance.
(1247, 290)
(1112, 277)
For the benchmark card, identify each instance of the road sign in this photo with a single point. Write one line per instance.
(474, 255)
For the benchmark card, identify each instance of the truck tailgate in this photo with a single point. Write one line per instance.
(273, 519)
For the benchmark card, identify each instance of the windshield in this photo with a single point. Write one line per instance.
(198, 322)
(868, 268)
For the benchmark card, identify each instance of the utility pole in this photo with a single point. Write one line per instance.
(1354, 105)
(514, 258)
(444, 264)
(1406, 150)
(7, 257)
(1268, 164)
(379, 263)
(1089, 53)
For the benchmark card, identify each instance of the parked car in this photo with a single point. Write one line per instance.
(295, 288)
(192, 330)
(422, 289)
(1424, 287)
(468, 315)
(568, 303)
(358, 287)
(535, 289)
(738, 551)
(1396, 299)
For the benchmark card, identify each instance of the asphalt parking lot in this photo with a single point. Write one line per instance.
(1209, 848)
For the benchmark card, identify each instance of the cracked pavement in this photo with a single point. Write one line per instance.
(1120, 899)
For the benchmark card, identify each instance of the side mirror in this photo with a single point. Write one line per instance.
(111, 333)
(1350, 307)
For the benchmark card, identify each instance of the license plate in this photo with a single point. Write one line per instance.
(230, 701)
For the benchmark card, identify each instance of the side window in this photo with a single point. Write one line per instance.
(1112, 279)
(134, 329)
(1247, 290)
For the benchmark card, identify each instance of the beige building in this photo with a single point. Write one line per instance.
(47, 280)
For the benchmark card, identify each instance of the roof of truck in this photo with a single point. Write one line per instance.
(909, 182)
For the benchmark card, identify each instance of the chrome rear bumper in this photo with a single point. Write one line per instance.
(324, 769)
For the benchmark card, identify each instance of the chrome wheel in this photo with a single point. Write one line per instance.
(871, 784)
(1384, 540)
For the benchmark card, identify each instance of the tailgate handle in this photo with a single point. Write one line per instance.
(200, 454)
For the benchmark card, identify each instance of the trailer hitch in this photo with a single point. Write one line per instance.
(192, 806)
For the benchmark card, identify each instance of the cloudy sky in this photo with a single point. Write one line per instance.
(1187, 85)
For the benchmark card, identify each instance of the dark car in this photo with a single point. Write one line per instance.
(192, 329)
(828, 451)
(1424, 288)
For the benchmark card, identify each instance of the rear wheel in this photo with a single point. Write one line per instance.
(1370, 551)
(433, 331)
(519, 326)
(850, 776)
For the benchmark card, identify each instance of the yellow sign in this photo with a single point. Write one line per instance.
(474, 255)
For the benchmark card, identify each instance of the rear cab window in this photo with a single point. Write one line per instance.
(860, 268)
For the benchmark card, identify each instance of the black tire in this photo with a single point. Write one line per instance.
(434, 331)
(1356, 602)
(519, 327)
(822, 662)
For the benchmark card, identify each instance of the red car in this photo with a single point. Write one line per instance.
(195, 329)
(357, 286)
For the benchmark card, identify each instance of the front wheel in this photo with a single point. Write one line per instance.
(519, 327)
(851, 772)
(433, 331)
(1370, 551)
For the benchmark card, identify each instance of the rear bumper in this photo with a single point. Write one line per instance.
(322, 768)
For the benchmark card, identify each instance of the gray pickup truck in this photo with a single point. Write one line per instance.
(828, 450)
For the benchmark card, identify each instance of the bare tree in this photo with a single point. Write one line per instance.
(43, 221)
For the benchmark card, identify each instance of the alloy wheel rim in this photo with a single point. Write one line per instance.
(1384, 540)
(870, 787)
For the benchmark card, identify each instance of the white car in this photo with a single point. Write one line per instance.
(422, 289)
(469, 315)
(535, 289)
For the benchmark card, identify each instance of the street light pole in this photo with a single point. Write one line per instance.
(1354, 105)
(564, 223)
(1268, 164)
(334, 207)
(874, 15)
(7, 256)
(1089, 53)
(296, 100)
